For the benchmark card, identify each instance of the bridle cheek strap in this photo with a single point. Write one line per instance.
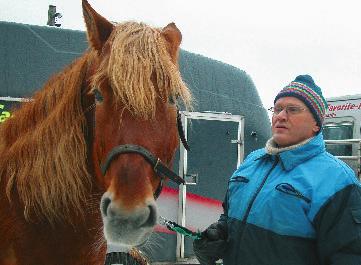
(158, 166)
(181, 131)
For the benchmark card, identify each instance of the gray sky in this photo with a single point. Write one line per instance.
(272, 40)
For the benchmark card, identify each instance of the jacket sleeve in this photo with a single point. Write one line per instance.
(224, 215)
(208, 249)
(338, 227)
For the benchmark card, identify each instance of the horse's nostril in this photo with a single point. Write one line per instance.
(152, 218)
(105, 205)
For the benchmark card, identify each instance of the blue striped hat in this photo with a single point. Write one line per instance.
(305, 89)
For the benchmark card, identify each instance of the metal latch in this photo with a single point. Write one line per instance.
(240, 142)
(191, 179)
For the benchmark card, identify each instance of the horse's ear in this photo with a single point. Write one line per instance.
(174, 37)
(98, 28)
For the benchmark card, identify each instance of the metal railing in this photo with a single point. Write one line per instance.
(356, 157)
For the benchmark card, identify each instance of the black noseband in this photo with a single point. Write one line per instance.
(156, 163)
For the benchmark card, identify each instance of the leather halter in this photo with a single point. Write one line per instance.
(158, 166)
(161, 169)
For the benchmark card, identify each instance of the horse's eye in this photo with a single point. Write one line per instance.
(98, 95)
(173, 98)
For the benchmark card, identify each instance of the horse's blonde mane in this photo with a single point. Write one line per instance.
(138, 57)
(43, 150)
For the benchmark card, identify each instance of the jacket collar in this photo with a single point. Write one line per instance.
(294, 155)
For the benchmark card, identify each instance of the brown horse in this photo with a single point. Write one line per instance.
(83, 159)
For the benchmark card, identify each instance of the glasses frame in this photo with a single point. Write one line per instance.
(290, 110)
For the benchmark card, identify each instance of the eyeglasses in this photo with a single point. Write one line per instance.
(290, 110)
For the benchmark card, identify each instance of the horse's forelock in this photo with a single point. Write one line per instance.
(45, 159)
(138, 57)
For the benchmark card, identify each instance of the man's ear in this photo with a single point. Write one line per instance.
(316, 128)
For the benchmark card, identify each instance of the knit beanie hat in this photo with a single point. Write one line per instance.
(305, 89)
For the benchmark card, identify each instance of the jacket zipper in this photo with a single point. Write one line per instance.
(258, 190)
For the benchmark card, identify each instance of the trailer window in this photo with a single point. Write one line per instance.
(339, 131)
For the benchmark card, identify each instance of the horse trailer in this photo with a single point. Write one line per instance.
(226, 123)
(342, 130)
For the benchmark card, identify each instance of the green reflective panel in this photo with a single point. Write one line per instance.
(6, 109)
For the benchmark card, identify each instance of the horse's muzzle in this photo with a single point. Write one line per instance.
(127, 227)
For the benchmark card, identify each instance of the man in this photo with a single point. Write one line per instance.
(290, 203)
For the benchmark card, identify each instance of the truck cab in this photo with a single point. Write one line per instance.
(342, 129)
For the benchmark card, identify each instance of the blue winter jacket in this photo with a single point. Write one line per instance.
(299, 207)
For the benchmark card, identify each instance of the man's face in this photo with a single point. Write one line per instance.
(295, 126)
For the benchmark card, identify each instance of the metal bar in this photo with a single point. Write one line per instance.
(183, 165)
(240, 147)
(348, 157)
(223, 116)
(344, 141)
(15, 99)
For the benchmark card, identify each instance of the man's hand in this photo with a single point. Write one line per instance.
(212, 244)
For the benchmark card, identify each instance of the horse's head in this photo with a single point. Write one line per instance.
(136, 82)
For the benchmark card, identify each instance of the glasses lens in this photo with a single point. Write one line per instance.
(277, 110)
(289, 110)
(292, 109)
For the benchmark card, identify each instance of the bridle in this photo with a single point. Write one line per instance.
(158, 166)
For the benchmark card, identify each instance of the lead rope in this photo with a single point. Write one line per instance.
(173, 226)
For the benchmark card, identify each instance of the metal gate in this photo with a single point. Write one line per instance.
(217, 149)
